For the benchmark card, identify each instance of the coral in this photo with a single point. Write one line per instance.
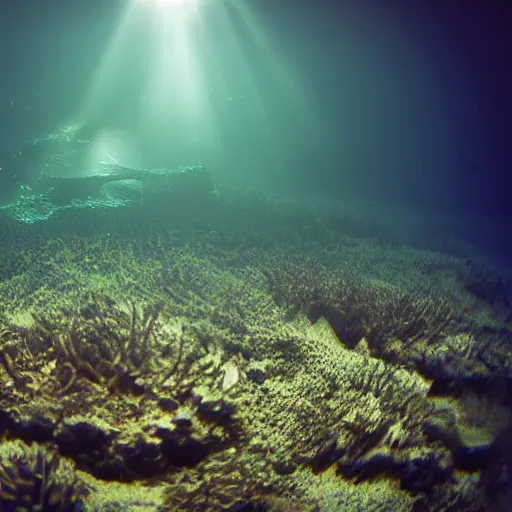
(137, 394)
(393, 322)
(479, 419)
(471, 422)
(36, 479)
(230, 375)
(462, 494)
(225, 482)
(490, 286)
(334, 494)
(107, 343)
(361, 403)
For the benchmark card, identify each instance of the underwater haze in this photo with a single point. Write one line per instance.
(255, 255)
(401, 106)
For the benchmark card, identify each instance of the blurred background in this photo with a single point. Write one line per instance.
(402, 108)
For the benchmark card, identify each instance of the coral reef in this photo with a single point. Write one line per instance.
(238, 369)
(127, 404)
(394, 323)
(36, 479)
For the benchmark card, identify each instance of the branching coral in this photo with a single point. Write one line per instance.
(35, 479)
(152, 391)
(212, 380)
(114, 347)
(392, 321)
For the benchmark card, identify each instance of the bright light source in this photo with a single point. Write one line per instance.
(172, 4)
(170, 74)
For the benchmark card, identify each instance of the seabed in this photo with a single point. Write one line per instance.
(190, 350)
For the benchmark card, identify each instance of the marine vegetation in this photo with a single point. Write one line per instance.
(233, 368)
(141, 363)
(35, 479)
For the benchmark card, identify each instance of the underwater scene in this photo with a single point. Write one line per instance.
(255, 256)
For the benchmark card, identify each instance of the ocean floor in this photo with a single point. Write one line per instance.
(243, 353)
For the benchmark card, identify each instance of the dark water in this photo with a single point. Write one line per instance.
(412, 101)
